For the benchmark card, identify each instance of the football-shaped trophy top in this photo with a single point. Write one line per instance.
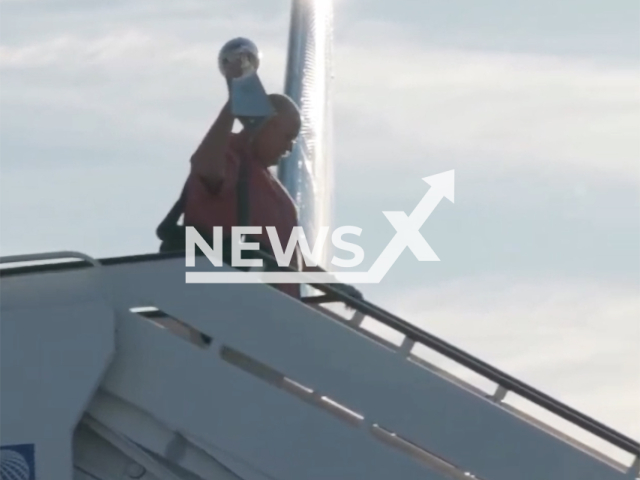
(241, 49)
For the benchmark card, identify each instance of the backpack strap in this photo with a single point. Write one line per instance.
(172, 234)
(242, 195)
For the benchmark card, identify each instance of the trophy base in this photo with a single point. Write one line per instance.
(249, 100)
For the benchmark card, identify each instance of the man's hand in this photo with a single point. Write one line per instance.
(349, 290)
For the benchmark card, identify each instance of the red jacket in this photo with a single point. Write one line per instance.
(269, 203)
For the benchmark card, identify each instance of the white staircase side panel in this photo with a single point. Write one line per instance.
(196, 393)
(57, 339)
(253, 384)
(140, 427)
(158, 467)
(471, 432)
(96, 458)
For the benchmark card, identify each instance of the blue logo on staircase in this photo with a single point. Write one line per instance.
(17, 462)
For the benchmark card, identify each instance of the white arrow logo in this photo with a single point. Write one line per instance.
(407, 235)
(408, 228)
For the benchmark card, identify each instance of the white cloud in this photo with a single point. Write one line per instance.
(69, 49)
(135, 81)
(512, 111)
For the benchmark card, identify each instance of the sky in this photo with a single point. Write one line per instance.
(536, 105)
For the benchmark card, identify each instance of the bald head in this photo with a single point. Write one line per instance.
(283, 105)
(277, 136)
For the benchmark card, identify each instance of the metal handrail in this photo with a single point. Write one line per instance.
(500, 378)
(333, 293)
(32, 257)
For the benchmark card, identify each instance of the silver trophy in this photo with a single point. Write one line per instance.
(249, 101)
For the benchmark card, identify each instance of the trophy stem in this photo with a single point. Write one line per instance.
(249, 101)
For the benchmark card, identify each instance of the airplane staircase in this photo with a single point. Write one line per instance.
(118, 369)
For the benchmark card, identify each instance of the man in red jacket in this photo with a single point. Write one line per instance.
(224, 159)
(216, 168)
